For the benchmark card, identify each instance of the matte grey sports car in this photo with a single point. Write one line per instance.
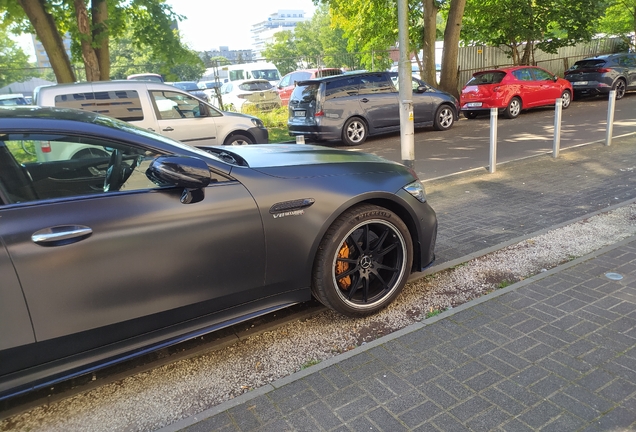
(117, 241)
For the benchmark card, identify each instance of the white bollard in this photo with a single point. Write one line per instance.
(558, 109)
(610, 117)
(492, 166)
(300, 139)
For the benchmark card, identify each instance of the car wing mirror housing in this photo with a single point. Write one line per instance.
(421, 89)
(187, 172)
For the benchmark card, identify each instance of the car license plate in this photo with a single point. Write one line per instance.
(579, 83)
(299, 113)
(473, 104)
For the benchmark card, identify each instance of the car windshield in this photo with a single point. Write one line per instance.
(255, 86)
(268, 74)
(588, 64)
(305, 93)
(494, 77)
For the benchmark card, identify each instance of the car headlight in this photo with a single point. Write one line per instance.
(258, 123)
(417, 190)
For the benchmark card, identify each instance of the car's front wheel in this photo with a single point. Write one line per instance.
(513, 109)
(354, 132)
(363, 261)
(236, 140)
(444, 118)
(566, 99)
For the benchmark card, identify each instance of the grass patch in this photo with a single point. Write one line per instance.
(432, 313)
(275, 121)
(309, 363)
(504, 283)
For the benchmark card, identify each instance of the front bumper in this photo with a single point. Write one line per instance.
(261, 135)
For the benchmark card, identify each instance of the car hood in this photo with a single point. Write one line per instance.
(281, 155)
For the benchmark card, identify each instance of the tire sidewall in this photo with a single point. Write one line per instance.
(437, 124)
(508, 113)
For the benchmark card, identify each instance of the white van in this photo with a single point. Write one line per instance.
(258, 70)
(158, 107)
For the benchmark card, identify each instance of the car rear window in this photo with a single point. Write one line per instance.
(487, 78)
(588, 64)
(255, 86)
(305, 93)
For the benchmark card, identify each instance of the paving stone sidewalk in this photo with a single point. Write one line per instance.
(555, 352)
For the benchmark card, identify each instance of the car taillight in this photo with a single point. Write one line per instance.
(45, 146)
(602, 70)
(319, 114)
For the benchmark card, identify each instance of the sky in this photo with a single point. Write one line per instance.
(211, 24)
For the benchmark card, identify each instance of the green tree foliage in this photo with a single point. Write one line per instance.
(283, 52)
(620, 20)
(93, 26)
(526, 25)
(14, 63)
(126, 60)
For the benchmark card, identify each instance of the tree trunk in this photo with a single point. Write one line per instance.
(99, 13)
(527, 53)
(47, 33)
(429, 37)
(86, 38)
(449, 78)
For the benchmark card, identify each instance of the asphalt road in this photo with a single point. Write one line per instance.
(467, 144)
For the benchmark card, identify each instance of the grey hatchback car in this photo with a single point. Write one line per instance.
(600, 74)
(351, 107)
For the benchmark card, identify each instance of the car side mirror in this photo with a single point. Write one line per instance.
(555, 78)
(187, 172)
(421, 89)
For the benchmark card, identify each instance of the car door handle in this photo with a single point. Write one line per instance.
(151, 129)
(168, 129)
(365, 100)
(61, 235)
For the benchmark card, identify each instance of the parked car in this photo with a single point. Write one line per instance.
(599, 75)
(513, 89)
(13, 99)
(109, 257)
(353, 106)
(256, 70)
(157, 107)
(257, 93)
(287, 83)
(146, 77)
(210, 90)
(191, 87)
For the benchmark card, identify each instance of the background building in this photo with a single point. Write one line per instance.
(41, 57)
(235, 56)
(263, 32)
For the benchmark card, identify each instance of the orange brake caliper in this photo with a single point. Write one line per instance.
(342, 267)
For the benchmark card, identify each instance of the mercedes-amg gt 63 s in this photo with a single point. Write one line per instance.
(116, 241)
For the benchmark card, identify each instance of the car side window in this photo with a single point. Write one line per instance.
(285, 81)
(373, 84)
(342, 87)
(628, 61)
(522, 74)
(541, 75)
(47, 166)
(122, 104)
(172, 105)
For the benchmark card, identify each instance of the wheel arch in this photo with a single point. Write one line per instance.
(390, 202)
(238, 132)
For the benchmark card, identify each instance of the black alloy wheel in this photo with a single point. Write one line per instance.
(620, 88)
(363, 261)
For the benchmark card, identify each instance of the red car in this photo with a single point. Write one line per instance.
(288, 82)
(513, 89)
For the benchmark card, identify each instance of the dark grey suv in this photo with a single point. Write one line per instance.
(599, 75)
(351, 107)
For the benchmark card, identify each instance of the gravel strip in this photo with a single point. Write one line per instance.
(153, 399)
